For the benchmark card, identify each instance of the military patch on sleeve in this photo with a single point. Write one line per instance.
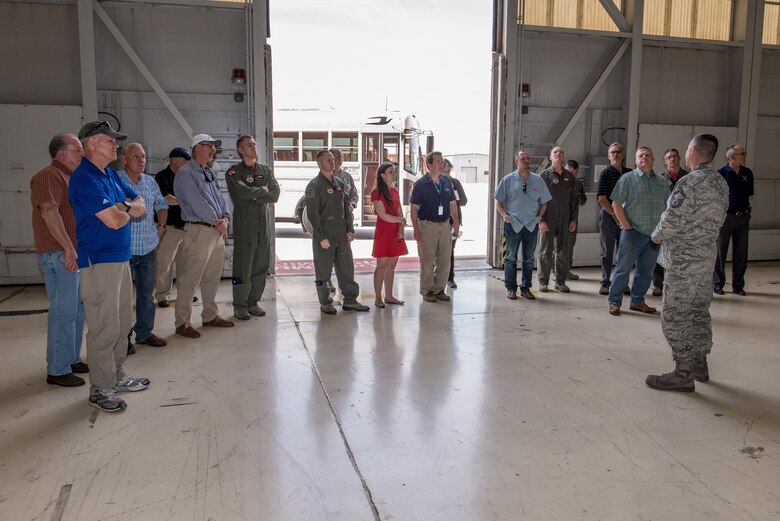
(231, 171)
(678, 198)
(310, 194)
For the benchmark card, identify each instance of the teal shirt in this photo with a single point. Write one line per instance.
(643, 198)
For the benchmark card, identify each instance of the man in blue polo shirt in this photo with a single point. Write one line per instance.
(103, 205)
(433, 202)
(736, 227)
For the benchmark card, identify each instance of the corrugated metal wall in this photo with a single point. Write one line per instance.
(772, 24)
(573, 14)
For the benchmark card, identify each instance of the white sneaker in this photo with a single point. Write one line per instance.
(131, 384)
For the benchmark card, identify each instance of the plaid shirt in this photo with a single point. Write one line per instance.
(143, 230)
(643, 198)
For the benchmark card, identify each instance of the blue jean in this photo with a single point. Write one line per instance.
(143, 268)
(66, 314)
(514, 241)
(635, 248)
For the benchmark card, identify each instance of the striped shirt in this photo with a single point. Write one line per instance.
(143, 230)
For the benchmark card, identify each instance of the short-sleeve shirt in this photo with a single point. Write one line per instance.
(608, 179)
(522, 199)
(740, 188)
(143, 230)
(50, 185)
(164, 180)
(91, 191)
(643, 198)
(429, 197)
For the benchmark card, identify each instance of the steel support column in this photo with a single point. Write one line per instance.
(87, 57)
(636, 16)
(751, 73)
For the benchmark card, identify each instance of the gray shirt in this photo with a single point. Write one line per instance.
(197, 191)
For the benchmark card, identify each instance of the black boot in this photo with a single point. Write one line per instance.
(700, 369)
(680, 380)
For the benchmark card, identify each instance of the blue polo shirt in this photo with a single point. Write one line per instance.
(92, 191)
(740, 188)
(428, 197)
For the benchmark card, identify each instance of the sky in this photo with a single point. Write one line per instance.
(430, 58)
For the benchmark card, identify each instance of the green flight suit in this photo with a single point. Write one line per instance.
(251, 189)
(330, 215)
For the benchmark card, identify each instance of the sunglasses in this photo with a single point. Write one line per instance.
(525, 188)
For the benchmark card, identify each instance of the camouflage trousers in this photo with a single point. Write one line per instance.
(685, 313)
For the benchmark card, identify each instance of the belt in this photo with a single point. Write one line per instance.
(201, 223)
(739, 214)
(174, 226)
(435, 222)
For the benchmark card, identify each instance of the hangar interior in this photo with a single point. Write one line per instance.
(478, 409)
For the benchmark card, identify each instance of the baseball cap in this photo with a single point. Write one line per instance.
(200, 138)
(180, 152)
(94, 128)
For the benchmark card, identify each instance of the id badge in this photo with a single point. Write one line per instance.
(441, 210)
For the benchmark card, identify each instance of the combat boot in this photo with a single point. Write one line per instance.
(680, 380)
(700, 369)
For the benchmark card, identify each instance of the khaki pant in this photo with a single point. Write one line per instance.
(204, 251)
(107, 293)
(434, 252)
(168, 251)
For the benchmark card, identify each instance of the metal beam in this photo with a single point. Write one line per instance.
(87, 57)
(751, 74)
(125, 45)
(637, 9)
(589, 96)
(617, 16)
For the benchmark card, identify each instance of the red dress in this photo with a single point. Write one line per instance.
(386, 243)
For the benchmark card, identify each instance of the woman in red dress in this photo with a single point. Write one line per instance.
(389, 241)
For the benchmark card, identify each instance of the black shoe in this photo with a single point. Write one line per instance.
(163, 304)
(79, 367)
(526, 293)
(452, 284)
(718, 290)
(130, 348)
(154, 341)
(657, 292)
(627, 291)
(65, 380)
(740, 292)
(604, 289)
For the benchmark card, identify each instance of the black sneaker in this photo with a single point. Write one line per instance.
(718, 290)
(604, 289)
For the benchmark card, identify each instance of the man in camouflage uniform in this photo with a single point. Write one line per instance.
(328, 210)
(558, 222)
(688, 233)
(251, 186)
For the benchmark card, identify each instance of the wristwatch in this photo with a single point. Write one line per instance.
(127, 206)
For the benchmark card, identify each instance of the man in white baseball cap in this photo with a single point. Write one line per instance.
(206, 218)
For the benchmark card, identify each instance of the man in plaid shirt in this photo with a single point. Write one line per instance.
(145, 235)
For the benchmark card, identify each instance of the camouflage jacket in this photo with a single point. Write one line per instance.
(689, 227)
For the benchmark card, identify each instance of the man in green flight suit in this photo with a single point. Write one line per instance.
(251, 186)
(329, 212)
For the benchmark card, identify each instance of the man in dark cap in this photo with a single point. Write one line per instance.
(173, 228)
(103, 205)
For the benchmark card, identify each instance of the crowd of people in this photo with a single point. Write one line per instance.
(99, 232)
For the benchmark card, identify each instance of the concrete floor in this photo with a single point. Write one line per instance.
(481, 409)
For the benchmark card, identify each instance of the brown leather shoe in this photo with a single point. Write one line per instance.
(614, 310)
(65, 380)
(511, 295)
(526, 293)
(218, 321)
(442, 296)
(643, 308)
(154, 341)
(187, 331)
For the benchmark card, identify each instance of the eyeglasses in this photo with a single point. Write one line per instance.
(208, 144)
(525, 188)
(740, 154)
(667, 158)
